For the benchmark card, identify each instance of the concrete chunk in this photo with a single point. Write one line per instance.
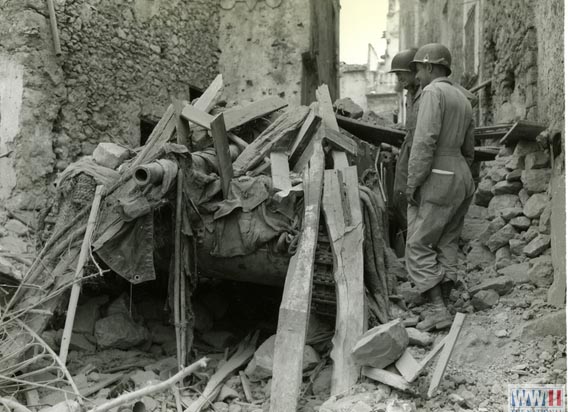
(110, 155)
(485, 299)
(501, 238)
(382, 345)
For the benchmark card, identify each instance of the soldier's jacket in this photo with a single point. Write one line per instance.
(443, 145)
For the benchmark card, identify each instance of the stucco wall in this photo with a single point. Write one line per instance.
(353, 84)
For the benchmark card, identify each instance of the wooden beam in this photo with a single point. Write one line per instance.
(446, 353)
(54, 31)
(182, 127)
(305, 134)
(209, 97)
(344, 222)
(340, 160)
(280, 171)
(340, 142)
(371, 133)
(197, 116)
(522, 130)
(221, 144)
(238, 116)
(295, 307)
(387, 378)
(408, 367)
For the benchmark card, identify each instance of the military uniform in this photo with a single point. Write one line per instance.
(438, 168)
(401, 171)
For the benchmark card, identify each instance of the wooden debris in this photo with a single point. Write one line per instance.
(304, 137)
(199, 117)
(54, 31)
(371, 133)
(295, 306)
(280, 171)
(451, 340)
(241, 356)
(279, 132)
(209, 97)
(339, 141)
(149, 390)
(344, 223)
(246, 387)
(11, 404)
(238, 116)
(92, 389)
(221, 144)
(381, 345)
(522, 130)
(76, 289)
(387, 378)
(326, 112)
(408, 367)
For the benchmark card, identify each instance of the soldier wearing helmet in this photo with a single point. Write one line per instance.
(400, 65)
(440, 186)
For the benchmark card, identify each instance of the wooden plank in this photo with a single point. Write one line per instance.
(306, 133)
(197, 116)
(485, 153)
(280, 171)
(340, 141)
(295, 306)
(339, 159)
(182, 127)
(209, 97)
(408, 367)
(221, 144)
(371, 133)
(446, 353)
(387, 378)
(433, 353)
(342, 209)
(326, 112)
(522, 130)
(278, 134)
(238, 116)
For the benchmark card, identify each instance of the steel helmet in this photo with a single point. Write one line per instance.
(433, 53)
(401, 61)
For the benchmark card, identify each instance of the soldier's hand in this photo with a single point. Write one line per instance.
(411, 196)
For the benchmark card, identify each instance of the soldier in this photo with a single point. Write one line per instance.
(440, 185)
(400, 65)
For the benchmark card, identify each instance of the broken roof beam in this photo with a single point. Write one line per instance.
(371, 133)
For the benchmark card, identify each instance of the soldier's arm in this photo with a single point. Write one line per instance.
(468, 146)
(428, 126)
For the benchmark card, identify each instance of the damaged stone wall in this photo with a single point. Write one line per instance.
(122, 61)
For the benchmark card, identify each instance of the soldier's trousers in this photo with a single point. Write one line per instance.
(432, 242)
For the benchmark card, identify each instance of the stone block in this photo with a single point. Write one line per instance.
(485, 299)
(536, 205)
(553, 324)
(502, 257)
(502, 285)
(536, 246)
(419, 338)
(498, 174)
(479, 256)
(322, 383)
(537, 160)
(544, 220)
(477, 212)
(520, 222)
(501, 202)
(382, 345)
(506, 188)
(524, 196)
(536, 180)
(119, 331)
(347, 107)
(518, 273)
(483, 195)
(511, 212)
(110, 155)
(530, 234)
(494, 226)
(516, 246)
(541, 272)
(514, 176)
(473, 229)
(501, 238)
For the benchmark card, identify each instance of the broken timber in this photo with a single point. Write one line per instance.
(326, 112)
(371, 133)
(221, 144)
(387, 378)
(295, 306)
(345, 227)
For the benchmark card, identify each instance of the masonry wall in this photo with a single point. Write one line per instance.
(122, 61)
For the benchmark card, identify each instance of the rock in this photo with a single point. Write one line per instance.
(50, 337)
(536, 180)
(483, 195)
(260, 366)
(536, 205)
(514, 176)
(396, 405)
(485, 299)
(381, 345)
(506, 188)
(497, 174)
(347, 402)
(521, 150)
(516, 246)
(79, 342)
(495, 225)
(144, 378)
(227, 393)
(235, 408)
(477, 212)
(530, 234)
(479, 256)
(537, 160)
(502, 257)
(347, 107)
(120, 305)
(220, 407)
(502, 285)
(219, 339)
(537, 246)
(559, 364)
(501, 202)
(86, 317)
(13, 244)
(473, 229)
(553, 324)
(162, 333)
(520, 223)
(322, 383)
(541, 273)
(523, 197)
(16, 227)
(519, 273)
(511, 212)
(110, 155)
(544, 220)
(501, 333)
(361, 407)
(501, 238)
(120, 332)
(410, 294)
(419, 338)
